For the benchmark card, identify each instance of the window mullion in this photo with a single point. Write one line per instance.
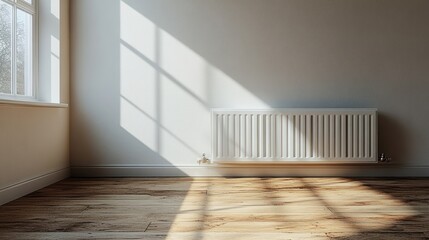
(14, 21)
(35, 51)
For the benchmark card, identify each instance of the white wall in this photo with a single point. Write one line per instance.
(34, 139)
(146, 73)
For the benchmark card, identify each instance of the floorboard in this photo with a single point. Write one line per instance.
(221, 208)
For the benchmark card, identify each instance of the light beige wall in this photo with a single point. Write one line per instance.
(34, 140)
(146, 73)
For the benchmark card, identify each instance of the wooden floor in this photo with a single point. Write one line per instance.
(222, 208)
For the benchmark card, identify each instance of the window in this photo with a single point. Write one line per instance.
(17, 48)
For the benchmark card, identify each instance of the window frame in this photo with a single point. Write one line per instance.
(33, 10)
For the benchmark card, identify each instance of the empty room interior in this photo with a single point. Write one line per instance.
(214, 119)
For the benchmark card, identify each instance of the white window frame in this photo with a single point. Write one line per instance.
(31, 9)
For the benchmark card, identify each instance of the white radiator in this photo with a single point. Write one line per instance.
(294, 136)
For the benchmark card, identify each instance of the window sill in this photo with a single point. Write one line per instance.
(30, 103)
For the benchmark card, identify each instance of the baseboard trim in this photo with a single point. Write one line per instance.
(23, 188)
(250, 171)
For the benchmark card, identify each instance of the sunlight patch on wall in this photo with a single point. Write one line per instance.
(187, 67)
(173, 87)
(55, 8)
(184, 116)
(137, 31)
(205, 81)
(138, 81)
(140, 124)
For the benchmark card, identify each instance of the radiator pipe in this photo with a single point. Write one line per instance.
(384, 159)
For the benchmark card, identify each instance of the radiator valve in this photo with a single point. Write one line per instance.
(383, 158)
(203, 160)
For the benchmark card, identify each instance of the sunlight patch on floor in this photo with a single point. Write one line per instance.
(291, 206)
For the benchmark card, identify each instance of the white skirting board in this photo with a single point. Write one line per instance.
(23, 188)
(251, 171)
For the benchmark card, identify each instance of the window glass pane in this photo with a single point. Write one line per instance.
(5, 48)
(24, 53)
(28, 1)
